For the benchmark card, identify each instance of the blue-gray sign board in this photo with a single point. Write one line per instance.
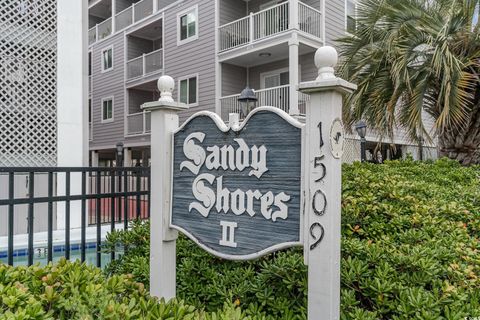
(237, 192)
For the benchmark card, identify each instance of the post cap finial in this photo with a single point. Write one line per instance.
(166, 84)
(326, 59)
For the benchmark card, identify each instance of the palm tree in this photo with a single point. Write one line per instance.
(415, 57)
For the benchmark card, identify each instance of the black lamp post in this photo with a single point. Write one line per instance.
(248, 100)
(119, 154)
(361, 128)
(420, 148)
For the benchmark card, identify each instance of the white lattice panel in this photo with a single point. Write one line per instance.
(28, 59)
(351, 151)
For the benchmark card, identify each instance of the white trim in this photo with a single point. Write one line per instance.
(178, 26)
(224, 128)
(195, 75)
(113, 108)
(110, 47)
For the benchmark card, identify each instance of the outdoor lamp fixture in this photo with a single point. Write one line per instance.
(119, 157)
(247, 100)
(420, 148)
(361, 128)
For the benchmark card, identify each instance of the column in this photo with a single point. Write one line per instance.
(162, 238)
(293, 14)
(323, 173)
(94, 155)
(127, 157)
(293, 74)
(72, 101)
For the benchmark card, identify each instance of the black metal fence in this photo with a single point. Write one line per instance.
(106, 196)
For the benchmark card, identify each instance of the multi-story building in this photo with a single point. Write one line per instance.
(212, 48)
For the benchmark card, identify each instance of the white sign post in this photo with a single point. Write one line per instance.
(242, 191)
(324, 142)
(163, 250)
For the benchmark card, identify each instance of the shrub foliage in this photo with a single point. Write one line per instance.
(410, 250)
(67, 290)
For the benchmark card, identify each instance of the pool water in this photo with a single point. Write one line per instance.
(20, 256)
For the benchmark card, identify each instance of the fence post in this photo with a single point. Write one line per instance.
(324, 137)
(164, 117)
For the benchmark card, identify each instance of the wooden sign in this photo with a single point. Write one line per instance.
(237, 190)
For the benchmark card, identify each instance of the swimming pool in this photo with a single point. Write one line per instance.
(20, 256)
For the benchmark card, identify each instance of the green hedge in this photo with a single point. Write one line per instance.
(410, 250)
(68, 290)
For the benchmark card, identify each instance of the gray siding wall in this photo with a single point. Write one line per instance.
(231, 10)
(334, 21)
(234, 79)
(105, 85)
(138, 46)
(164, 3)
(195, 57)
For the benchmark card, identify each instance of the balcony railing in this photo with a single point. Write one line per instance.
(124, 18)
(142, 9)
(145, 64)
(92, 35)
(310, 20)
(278, 97)
(136, 12)
(268, 22)
(104, 29)
(139, 123)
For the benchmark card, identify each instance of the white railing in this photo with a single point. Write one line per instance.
(145, 64)
(104, 29)
(269, 22)
(92, 35)
(278, 97)
(124, 18)
(234, 34)
(138, 123)
(142, 9)
(310, 20)
(136, 12)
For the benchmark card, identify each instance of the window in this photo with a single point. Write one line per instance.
(107, 59)
(276, 78)
(107, 110)
(188, 90)
(187, 25)
(351, 16)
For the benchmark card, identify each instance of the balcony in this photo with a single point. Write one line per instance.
(100, 31)
(136, 12)
(145, 64)
(276, 97)
(138, 123)
(269, 22)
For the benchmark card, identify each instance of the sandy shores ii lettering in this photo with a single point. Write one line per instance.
(207, 187)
